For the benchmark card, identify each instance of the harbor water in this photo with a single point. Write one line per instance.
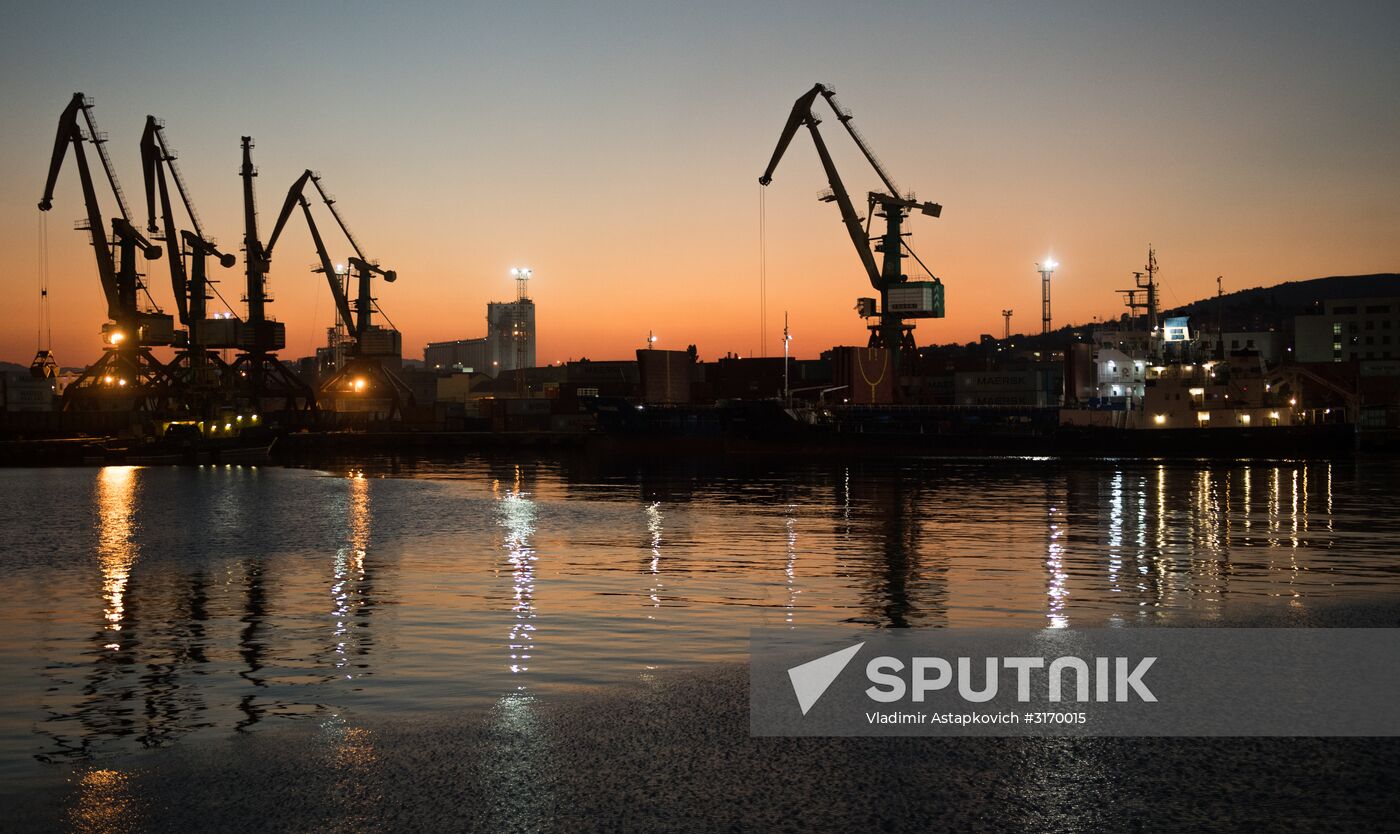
(150, 607)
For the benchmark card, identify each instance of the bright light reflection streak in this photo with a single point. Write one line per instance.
(1115, 530)
(654, 518)
(518, 517)
(1057, 589)
(790, 568)
(350, 564)
(116, 550)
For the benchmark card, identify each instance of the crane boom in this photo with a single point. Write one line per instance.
(70, 133)
(99, 139)
(802, 115)
(330, 204)
(118, 289)
(155, 159)
(294, 194)
(151, 159)
(846, 118)
(342, 304)
(356, 316)
(180, 186)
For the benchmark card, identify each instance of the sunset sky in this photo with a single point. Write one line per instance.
(615, 149)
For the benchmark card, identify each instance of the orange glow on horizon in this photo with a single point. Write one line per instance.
(633, 195)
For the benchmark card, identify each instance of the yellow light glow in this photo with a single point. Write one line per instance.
(1196, 392)
(1159, 419)
(116, 337)
(117, 548)
(1244, 418)
(359, 383)
(1293, 401)
(1273, 415)
(1203, 416)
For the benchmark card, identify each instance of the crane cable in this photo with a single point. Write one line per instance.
(45, 327)
(213, 285)
(762, 272)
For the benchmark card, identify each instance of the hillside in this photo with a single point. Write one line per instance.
(1258, 308)
(1261, 306)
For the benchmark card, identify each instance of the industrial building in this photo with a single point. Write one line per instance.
(1270, 345)
(1349, 329)
(509, 343)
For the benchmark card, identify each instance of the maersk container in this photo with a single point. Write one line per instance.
(916, 299)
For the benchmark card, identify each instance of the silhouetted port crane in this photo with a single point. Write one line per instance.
(197, 364)
(363, 376)
(257, 371)
(900, 298)
(127, 376)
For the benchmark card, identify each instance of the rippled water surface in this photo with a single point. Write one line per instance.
(144, 605)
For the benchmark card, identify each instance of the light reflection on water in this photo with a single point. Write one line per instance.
(159, 602)
(116, 549)
(518, 518)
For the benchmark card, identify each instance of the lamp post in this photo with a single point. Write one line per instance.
(787, 337)
(1046, 268)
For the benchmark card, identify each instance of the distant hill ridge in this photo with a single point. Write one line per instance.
(1291, 298)
(1257, 308)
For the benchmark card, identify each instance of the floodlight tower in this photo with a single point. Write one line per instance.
(522, 282)
(787, 340)
(519, 327)
(1006, 331)
(1046, 268)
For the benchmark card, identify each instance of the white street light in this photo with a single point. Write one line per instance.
(1046, 268)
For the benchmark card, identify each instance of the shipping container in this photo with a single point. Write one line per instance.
(867, 374)
(218, 333)
(666, 375)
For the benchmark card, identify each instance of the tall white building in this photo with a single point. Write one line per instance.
(510, 335)
(509, 342)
